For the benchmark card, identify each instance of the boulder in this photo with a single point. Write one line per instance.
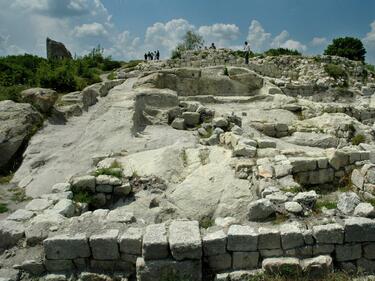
(179, 124)
(10, 233)
(347, 202)
(191, 118)
(282, 266)
(313, 139)
(260, 210)
(293, 207)
(42, 99)
(307, 199)
(220, 122)
(18, 122)
(317, 268)
(366, 210)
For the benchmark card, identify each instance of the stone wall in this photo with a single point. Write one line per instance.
(182, 250)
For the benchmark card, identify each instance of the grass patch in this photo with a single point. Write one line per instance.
(371, 201)
(3, 208)
(111, 76)
(114, 170)
(358, 139)
(370, 68)
(330, 205)
(336, 276)
(280, 218)
(184, 157)
(282, 52)
(206, 222)
(19, 195)
(82, 197)
(209, 131)
(6, 179)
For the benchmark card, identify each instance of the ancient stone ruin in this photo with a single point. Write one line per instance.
(57, 50)
(202, 168)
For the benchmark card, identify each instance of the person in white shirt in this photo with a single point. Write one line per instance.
(247, 52)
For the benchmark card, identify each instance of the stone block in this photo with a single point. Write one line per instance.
(185, 240)
(220, 262)
(288, 267)
(269, 238)
(317, 268)
(104, 245)
(329, 233)
(131, 241)
(323, 249)
(348, 252)
(245, 260)
(67, 247)
(10, 233)
(359, 230)
(84, 183)
(271, 253)
(155, 243)
(366, 266)
(214, 243)
(369, 251)
(159, 270)
(59, 265)
(291, 236)
(242, 238)
(303, 164)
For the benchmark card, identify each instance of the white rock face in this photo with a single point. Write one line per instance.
(348, 202)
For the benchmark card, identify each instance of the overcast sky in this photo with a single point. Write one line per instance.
(127, 28)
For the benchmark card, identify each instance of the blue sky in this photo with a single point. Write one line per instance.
(127, 28)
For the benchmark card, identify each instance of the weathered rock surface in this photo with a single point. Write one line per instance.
(42, 99)
(57, 50)
(18, 121)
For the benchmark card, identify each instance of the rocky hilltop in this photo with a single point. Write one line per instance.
(198, 168)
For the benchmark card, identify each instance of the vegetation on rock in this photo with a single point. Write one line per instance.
(282, 52)
(191, 41)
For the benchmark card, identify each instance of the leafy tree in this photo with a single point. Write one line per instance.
(347, 47)
(190, 41)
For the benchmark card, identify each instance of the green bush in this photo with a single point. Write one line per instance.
(11, 93)
(282, 52)
(335, 71)
(226, 73)
(3, 208)
(347, 47)
(370, 68)
(25, 71)
(358, 139)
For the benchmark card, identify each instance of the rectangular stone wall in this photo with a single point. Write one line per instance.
(180, 250)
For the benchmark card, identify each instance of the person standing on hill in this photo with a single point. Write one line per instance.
(157, 55)
(146, 56)
(246, 49)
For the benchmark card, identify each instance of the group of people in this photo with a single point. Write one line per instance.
(152, 55)
(156, 55)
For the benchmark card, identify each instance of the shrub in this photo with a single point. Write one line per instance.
(282, 52)
(347, 47)
(370, 68)
(11, 93)
(190, 41)
(335, 71)
(320, 204)
(82, 197)
(3, 208)
(226, 73)
(109, 172)
(206, 222)
(358, 139)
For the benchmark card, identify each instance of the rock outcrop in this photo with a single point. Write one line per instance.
(18, 121)
(57, 50)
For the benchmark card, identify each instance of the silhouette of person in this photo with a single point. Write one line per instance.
(213, 47)
(157, 55)
(146, 56)
(246, 49)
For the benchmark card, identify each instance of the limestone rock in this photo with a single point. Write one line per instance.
(347, 202)
(10, 233)
(18, 122)
(155, 243)
(104, 245)
(42, 99)
(191, 119)
(364, 210)
(282, 266)
(293, 207)
(260, 210)
(65, 247)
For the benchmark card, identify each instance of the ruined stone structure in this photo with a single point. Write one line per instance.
(202, 168)
(57, 50)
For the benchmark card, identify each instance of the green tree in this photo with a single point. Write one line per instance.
(347, 47)
(190, 41)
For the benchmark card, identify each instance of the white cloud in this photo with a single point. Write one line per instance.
(221, 34)
(260, 40)
(318, 41)
(6, 48)
(90, 29)
(369, 42)
(125, 46)
(165, 36)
